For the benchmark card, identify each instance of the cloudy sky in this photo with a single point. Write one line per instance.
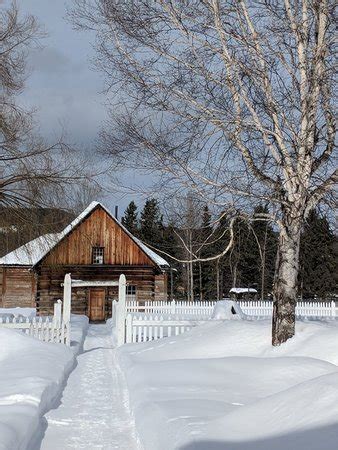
(63, 86)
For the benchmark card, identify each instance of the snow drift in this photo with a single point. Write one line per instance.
(31, 377)
(222, 386)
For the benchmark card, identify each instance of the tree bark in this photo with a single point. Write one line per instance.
(285, 286)
(263, 267)
(200, 280)
(217, 279)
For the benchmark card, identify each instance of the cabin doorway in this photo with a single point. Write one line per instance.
(97, 301)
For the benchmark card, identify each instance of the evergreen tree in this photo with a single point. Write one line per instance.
(318, 264)
(241, 259)
(151, 223)
(171, 246)
(129, 220)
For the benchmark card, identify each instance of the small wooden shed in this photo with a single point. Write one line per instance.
(94, 248)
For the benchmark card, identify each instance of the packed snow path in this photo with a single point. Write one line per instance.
(93, 413)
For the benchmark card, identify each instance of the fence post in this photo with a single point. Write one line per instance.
(113, 311)
(121, 312)
(57, 311)
(173, 307)
(333, 309)
(129, 328)
(67, 299)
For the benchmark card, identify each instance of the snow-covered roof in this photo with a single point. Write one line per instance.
(243, 290)
(33, 252)
(152, 255)
(30, 253)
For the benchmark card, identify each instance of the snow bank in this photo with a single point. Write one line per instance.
(32, 374)
(304, 416)
(222, 386)
(79, 326)
(32, 377)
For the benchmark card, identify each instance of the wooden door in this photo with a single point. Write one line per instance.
(97, 302)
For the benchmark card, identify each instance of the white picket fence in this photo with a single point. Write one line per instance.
(47, 329)
(142, 322)
(174, 308)
(55, 329)
(303, 309)
(253, 308)
(143, 328)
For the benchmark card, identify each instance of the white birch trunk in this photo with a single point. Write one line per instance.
(285, 286)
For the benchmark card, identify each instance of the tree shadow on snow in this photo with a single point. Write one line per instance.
(320, 438)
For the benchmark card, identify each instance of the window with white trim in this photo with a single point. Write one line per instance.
(98, 255)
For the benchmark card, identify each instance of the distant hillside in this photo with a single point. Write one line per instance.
(21, 225)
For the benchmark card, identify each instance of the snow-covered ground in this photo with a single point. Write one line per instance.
(32, 374)
(32, 377)
(219, 386)
(79, 325)
(222, 386)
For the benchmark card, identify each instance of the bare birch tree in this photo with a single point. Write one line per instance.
(232, 99)
(31, 171)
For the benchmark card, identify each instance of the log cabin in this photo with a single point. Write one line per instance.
(95, 248)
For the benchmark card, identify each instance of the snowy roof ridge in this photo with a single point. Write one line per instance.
(158, 260)
(31, 252)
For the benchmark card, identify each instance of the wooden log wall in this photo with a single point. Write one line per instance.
(49, 287)
(17, 287)
(161, 287)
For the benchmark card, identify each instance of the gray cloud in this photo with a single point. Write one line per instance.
(49, 60)
(62, 86)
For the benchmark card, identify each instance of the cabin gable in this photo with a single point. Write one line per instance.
(98, 229)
